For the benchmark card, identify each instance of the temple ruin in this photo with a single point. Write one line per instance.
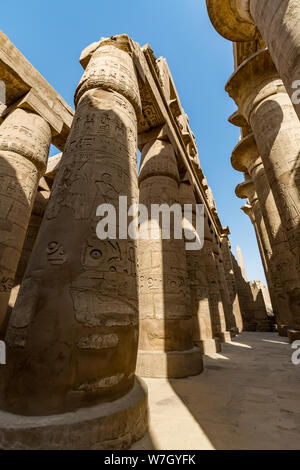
(84, 319)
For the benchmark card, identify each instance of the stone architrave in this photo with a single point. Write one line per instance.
(263, 101)
(203, 334)
(73, 334)
(278, 23)
(166, 336)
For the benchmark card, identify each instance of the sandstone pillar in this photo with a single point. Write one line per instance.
(278, 23)
(263, 101)
(247, 190)
(38, 210)
(245, 157)
(25, 139)
(245, 297)
(203, 334)
(227, 305)
(73, 334)
(237, 324)
(166, 337)
(215, 299)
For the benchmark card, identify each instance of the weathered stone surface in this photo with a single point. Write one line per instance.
(236, 323)
(103, 426)
(25, 139)
(21, 78)
(203, 335)
(263, 101)
(278, 23)
(282, 266)
(215, 299)
(38, 210)
(79, 292)
(247, 190)
(165, 312)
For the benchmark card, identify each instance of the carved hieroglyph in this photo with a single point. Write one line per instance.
(278, 23)
(282, 265)
(34, 225)
(263, 101)
(25, 139)
(166, 341)
(237, 320)
(203, 334)
(73, 333)
(215, 299)
(227, 305)
(247, 190)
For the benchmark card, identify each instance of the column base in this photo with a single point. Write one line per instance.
(293, 335)
(224, 337)
(109, 426)
(209, 346)
(169, 364)
(282, 330)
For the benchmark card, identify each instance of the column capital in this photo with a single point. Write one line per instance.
(120, 41)
(254, 80)
(237, 119)
(246, 190)
(245, 154)
(248, 210)
(232, 19)
(111, 64)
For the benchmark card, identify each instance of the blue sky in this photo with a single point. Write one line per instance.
(52, 34)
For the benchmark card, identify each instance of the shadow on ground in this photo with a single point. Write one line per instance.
(246, 398)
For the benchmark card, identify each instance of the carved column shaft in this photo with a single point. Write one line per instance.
(166, 338)
(25, 139)
(231, 283)
(38, 210)
(203, 334)
(282, 265)
(264, 102)
(278, 23)
(73, 334)
(247, 189)
(215, 299)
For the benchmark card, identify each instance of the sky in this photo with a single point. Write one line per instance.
(52, 33)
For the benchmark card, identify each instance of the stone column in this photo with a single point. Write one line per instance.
(247, 190)
(38, 210)
(248, 210)
(203, 334)
(166, 337)
(237, 324)
(215, 299)
(263, 101)
(245, 297)
(227, 305)
(245, 157)
(73, 335)
(25, 139)
(278, 23)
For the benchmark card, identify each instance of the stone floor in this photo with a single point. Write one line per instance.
(247, 398)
